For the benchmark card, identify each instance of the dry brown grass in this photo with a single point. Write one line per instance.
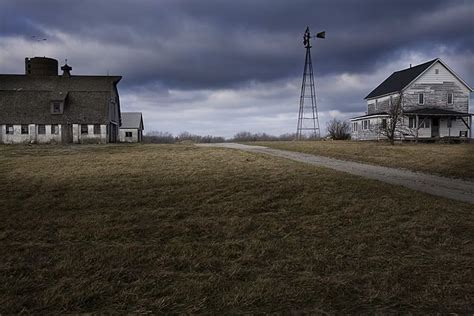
(175, 228)
(452, 160)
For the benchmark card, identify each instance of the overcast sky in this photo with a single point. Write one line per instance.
(219, 67)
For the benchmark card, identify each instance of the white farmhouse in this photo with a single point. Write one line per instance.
(131, 130)
(434, 104)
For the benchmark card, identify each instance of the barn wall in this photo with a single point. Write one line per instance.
(90, 137)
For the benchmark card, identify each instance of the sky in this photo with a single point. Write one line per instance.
(218, 67)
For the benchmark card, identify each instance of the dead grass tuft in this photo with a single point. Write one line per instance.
(175, 228)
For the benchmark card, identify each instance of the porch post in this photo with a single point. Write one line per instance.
(417, 128)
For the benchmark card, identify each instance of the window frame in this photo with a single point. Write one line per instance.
(60, 108)
(411, 122)
(9, 129)
(452, 98)
(41, 129)
(384, 123)
(128, 134)
(97, 129)
(421, 98)
(54, 129)
(84, 131)
(25, 129)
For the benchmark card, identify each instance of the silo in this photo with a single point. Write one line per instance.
(41, 66)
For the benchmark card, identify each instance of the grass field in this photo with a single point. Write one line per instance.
(452, 160)
(176, 228)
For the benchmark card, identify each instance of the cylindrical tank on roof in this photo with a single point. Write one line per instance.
(41, 66)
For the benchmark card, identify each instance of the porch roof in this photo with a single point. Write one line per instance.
(436, 112)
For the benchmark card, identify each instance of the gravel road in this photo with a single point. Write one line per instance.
(456, 189)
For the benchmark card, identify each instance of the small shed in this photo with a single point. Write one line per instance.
(131, 130)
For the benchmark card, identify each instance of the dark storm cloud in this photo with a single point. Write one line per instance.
(212, 44)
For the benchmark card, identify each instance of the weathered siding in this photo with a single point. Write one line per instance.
(382, 104)
(136, 135)
(32, 137)
(436, 96)
(90, 137)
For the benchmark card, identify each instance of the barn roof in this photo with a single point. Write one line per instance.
(26, 99)
(399, 80)
(132, 120)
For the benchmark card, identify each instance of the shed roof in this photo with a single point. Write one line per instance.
(132, 120)
(399, 80)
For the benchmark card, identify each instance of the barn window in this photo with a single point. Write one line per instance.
(56, 107)
(54, 129)
(384, 123)
(421, 98)
(9, 129)
(84, 129)
(128, 134)
(41, 129)
(450, 98)
(96, 129)
(24, 128)
(411, 122)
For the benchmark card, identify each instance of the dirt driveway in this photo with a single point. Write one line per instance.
(446, 187)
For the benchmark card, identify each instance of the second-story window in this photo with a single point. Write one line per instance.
(450, 98)
(421, 98)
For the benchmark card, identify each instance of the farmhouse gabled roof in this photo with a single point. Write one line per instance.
(132, 120)
(399, 80)
(27, 99)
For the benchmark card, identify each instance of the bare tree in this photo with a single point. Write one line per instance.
(338, 129)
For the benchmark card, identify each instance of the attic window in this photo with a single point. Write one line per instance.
(56, 107)
(436, 71)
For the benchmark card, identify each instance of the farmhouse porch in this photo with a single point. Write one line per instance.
(437, 123)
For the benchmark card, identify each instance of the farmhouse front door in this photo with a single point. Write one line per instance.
(435, 127)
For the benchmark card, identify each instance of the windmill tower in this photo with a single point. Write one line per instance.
(308, 122)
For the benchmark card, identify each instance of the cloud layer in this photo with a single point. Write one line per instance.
(218, 67)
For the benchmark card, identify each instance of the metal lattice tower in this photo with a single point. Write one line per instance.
(308, 122)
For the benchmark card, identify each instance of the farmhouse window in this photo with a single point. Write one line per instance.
(41, 129)
(421, 98)
(96, 129)
(9, 129)
(436, 71)
(450, 98)
(384, 122)
(54, 129)
(128, 134)
(84, 129)
(24, 129)
(425, 123)
(411, 122)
